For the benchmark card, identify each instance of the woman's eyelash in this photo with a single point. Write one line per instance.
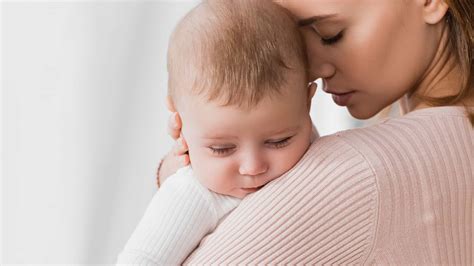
(332, 40)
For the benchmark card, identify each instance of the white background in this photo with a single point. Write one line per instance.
(84, 124)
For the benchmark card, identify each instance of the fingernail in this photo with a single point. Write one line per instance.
(180, 142)
(175, 120)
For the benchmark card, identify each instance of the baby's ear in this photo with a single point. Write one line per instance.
(170, 104)
(312, 86)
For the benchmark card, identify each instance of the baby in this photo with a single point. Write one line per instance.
(238, 79)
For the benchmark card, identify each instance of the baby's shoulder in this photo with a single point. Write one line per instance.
(184, 178)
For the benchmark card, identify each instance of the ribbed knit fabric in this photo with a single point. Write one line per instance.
(398, 192)
(180, 214)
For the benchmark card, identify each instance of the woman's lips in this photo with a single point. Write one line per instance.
(342, 99)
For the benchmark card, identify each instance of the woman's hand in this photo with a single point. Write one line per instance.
(178, 156)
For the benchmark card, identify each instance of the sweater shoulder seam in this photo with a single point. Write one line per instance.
(375, 228)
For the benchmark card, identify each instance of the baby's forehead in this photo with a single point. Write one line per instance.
(225, 95)
(274, 109)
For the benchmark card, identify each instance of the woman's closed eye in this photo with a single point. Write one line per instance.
(332, 40)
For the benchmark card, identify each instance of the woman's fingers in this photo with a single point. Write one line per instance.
(170, 164)
(180, 150)
(184, 160)
(180, 147)
(174, 125)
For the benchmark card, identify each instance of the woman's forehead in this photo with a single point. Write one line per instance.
(305, 9)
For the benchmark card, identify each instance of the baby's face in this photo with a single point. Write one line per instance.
(235, 151)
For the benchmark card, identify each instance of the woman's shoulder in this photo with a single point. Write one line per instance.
(415, 131)
(402, 159)
(411, 157)
(425, 137)
(421, 119)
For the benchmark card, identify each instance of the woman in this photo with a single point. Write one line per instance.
(397, 192)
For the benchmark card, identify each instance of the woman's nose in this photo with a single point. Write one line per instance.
(323, 70)
(320, 65)
(253, 166)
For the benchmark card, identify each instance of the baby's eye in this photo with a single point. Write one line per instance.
(221, 150)
(279, 143)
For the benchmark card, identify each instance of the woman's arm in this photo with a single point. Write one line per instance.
(322, 211)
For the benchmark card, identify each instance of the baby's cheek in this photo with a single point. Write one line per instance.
(214, 173)
(285, 162)
(289, 158)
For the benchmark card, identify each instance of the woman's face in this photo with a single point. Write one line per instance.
(368, 52)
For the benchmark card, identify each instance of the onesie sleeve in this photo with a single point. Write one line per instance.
(323, 211)
(179, 215)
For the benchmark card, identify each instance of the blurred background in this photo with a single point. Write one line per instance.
(84, 124)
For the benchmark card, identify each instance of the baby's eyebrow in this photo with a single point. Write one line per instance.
(289, 129)
(218, 137)
(230, 137)
(313, 19)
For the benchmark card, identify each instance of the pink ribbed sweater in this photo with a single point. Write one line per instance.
(397, 192)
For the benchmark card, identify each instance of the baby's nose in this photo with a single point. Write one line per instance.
(253, 167)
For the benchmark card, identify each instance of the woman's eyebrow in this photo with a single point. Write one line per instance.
(310, 20)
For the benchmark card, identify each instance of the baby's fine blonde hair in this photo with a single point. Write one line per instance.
(235, 52)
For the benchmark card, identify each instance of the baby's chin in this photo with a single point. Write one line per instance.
(243, 192)
(237, 192)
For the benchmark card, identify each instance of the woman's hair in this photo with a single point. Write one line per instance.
(459, 19)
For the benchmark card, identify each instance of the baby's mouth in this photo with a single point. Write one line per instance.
(252, 189)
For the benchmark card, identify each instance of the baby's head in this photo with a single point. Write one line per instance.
(238, 79)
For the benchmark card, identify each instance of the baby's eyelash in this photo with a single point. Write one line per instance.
(272, 144)
(280, 143)
(220, 151)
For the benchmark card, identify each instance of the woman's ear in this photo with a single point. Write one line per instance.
(311, 91)
(170, 104)
(434, 11)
